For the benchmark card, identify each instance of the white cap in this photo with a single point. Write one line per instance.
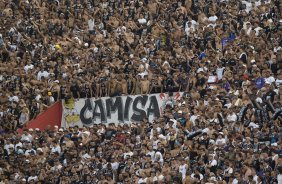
(86, 44)
(57, 81)
(253, 61)
(31, 130)
(180, 112)
(37, 129)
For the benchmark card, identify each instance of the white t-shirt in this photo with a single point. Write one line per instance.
(27, 137)
(213, 162)
(41, 74)
(8, 146)
(278, 82)
(189, 30)
(37, 98)
(18, 145)
(270, 80)
(155, 144)
(128, 154)
(183, 170)
(276, 49)
(14, 99)
(229, 170)
(201, 176)
(192, 26)
(91, 24)
(249, 6)
(231, 117)
(213, 18)
(35, 178)
(257, 29)
(27, 152)
(248, 31)
(28, 67)
(279, 178)
(235, 181)
(152, 154)
(221, 141)
(142, 21)
(219, 72)
(145, 73)
(193, 118)
(141, 180)
(115, 165)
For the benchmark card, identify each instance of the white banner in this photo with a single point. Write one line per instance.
(123, 109)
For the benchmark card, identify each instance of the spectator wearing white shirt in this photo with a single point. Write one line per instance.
(26, 136)
(14, 98)
(189, 29)
(220, 141)
(55, 147)
(9, 147)
(229, 170)
(42, 73)
(183, 169)
(278, 80)
(91, 25)
(197, 175)
(212, 17)
(143, 179)
(220, 71)
(268, 77)
(279, 176)
(29, 66)
(249, 5)
(248, 28)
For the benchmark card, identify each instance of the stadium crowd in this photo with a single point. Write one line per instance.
(225, 55)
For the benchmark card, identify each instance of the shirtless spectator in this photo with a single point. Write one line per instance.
(144, 85)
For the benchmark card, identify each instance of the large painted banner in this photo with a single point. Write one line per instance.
(123, 109)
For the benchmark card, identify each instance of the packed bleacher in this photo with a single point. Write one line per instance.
(224, 55)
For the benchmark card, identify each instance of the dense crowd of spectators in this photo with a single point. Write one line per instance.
(226, 55)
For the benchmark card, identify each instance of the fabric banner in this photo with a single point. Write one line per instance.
(122, 109)
(50, 117)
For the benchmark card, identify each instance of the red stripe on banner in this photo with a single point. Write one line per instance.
(50, 117)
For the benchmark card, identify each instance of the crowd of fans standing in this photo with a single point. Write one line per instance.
(225, 55)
